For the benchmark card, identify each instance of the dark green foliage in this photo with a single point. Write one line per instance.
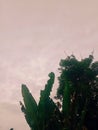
(30, 109)
(77, 94)
(41, 116)
(78, 87)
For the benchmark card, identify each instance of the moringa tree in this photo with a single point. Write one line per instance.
(77, 94)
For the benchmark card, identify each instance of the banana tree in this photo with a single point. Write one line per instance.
(45, 114)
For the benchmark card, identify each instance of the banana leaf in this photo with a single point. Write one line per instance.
(30, 108)
(46, 105)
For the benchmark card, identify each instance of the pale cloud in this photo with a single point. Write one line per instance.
(34, 36)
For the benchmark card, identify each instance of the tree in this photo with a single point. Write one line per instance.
(77, 98)
(78, 90)
(42, 115)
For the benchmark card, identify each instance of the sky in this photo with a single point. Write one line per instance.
(34, 36)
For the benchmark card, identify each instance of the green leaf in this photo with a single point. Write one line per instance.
(46, 106)
(30, 108)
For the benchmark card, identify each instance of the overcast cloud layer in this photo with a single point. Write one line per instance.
(34, 36)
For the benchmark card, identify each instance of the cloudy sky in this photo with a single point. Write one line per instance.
(34, 36)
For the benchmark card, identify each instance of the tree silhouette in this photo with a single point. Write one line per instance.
(76, 105)
(11, 129)
(79, 83)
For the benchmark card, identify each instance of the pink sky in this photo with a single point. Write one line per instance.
(34, 36)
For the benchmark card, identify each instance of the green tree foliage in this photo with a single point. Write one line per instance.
(78, 89)
(77, 98)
